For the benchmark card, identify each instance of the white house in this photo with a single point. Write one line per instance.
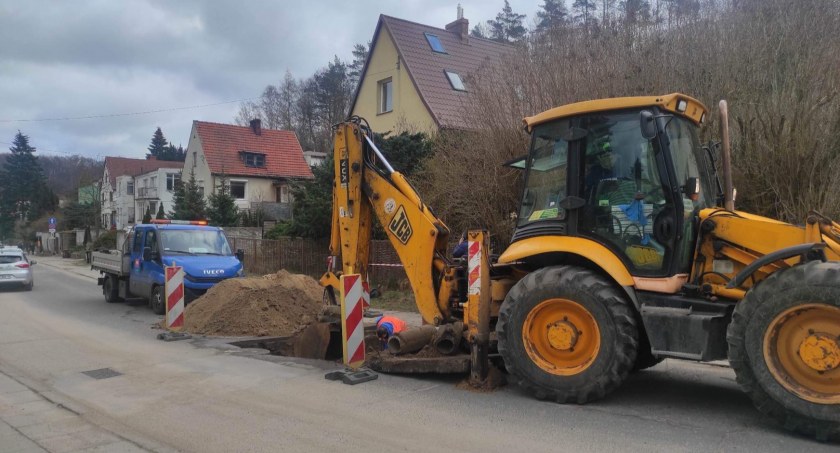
(155, 188)
(257, 163)
(119, 187)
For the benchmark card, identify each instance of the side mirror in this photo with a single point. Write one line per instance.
(692, 187)
(240, 254)
(33, 262)
(647, 123)
(147, 253)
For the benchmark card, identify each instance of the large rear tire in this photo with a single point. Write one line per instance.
(784, 345)
(567, 334)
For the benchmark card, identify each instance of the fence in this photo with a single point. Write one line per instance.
(306, 256)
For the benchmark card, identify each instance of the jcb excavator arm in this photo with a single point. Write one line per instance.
(365, 186)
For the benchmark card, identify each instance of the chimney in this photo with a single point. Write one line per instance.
(256, 126)
(460, 26)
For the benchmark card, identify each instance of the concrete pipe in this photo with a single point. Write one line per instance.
(411, 340)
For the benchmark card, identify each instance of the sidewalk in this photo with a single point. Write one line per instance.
(78, 267)
(31, 423)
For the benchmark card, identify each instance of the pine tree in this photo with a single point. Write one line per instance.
(189, 201)
(222, 210)
(584, 12)
(508, 25)
(24, 194)
(553, 15)
(147, 217)
(157, 148)
(480, 31)
(354, 69)
(160, 214)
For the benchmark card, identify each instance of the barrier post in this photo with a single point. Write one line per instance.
(352, 327)
(174, 290)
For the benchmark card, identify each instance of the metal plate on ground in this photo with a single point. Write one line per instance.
(102, 373)
(352, 377)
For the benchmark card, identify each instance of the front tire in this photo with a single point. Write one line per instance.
(157, 301)
(784, 345)
(567, 334)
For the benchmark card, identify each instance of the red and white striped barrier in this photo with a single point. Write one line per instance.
(174, 290)
(352, 327)
(474, 267)
(365, 295)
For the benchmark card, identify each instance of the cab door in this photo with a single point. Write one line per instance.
(625, 183)
(146, 267)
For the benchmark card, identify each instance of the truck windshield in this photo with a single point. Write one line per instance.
(195, 242)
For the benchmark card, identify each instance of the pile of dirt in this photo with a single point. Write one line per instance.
(272, 305)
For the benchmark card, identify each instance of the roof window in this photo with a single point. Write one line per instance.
(434, 43)
(455, 80)
(253, 159)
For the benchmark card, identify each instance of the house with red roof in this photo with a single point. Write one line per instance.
(417, 77)
(258, 164)
(122, 203)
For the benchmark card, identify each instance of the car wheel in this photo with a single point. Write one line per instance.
(156, 301)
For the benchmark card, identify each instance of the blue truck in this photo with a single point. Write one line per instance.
(136, 271)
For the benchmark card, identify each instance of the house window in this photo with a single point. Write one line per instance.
(386, 95)
(455, 80)
(253, 159)
(153, 180)
(172, 181)
(129, 187)
(434, 43)
(283, 194)
(237, 189)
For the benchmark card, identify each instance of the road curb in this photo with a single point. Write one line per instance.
(64, 269)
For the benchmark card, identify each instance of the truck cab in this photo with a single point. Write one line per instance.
(203, 251)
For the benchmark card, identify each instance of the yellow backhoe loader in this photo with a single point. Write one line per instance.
(627, 250)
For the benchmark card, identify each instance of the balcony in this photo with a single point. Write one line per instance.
(146, 193)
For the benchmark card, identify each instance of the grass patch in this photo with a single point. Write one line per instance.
(396, 301)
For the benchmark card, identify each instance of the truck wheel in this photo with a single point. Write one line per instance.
(784, 345)
(567, 334)
(110, 290)
(157, 302)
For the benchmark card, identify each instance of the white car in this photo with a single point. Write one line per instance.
(15, 268)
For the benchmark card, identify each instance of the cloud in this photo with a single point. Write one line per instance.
(95, 57)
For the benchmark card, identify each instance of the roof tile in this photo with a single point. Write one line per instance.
(427, 67)
(223, 143)
(122, 166)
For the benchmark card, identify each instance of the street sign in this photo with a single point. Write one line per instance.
(52, 225)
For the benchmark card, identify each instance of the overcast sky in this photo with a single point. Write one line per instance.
(69, 59)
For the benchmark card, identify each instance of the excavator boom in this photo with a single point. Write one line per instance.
(367, 187)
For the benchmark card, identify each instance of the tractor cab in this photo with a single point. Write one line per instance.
(628, 174)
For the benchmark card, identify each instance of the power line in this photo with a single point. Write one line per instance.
(115, 115)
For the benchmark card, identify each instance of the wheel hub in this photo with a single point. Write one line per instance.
(802, 352)
(562, 335)
(820, 351)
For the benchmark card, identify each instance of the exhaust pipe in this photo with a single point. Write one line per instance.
(728, 192)
(411, 340)
(448, 338)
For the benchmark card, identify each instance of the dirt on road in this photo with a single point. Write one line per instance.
(278, 304)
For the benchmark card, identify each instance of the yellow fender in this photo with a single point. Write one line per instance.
(586, 248)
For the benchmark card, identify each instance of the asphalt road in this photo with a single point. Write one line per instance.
(205, 396)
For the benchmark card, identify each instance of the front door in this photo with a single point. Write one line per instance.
(628, 204)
